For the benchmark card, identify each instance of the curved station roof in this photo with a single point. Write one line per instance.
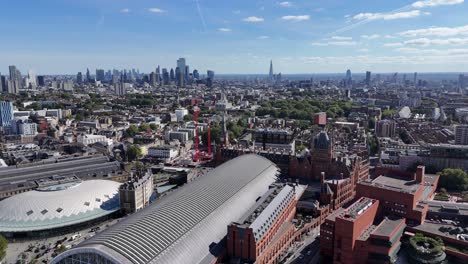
(181, 227)
(58, 206)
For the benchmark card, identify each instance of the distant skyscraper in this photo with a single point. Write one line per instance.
(79, 78)
(6, 113)
(462, 83)
(349, 77)
(100, 75)
(32, 83)
(196, 75)
(368, 78)
(1, 82)
(210, 74)
(415, 79)
(88, 76)
(165, 76)
(13, 73)
(172, 75)
(181, 64)
(41, 80)
(271, 75)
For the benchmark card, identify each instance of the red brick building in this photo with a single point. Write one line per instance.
(263, 234)
(401, 196)
(320, 119)
(355, 234)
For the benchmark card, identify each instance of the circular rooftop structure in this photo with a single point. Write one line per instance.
(58, 206)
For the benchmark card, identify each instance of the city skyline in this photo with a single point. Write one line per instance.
(64, 37)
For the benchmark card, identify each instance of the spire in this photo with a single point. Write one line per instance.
(271, 70)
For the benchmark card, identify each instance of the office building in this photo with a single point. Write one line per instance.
(183, 227)
(385, 128)
(41, 80)
(181, 65)
(401, 194)
(24, 127)
(167, 152)
(368, 78)
(355, 235)
(100, 75)
(135, 194)
(461, 135)
(79, 78)
(6, 113)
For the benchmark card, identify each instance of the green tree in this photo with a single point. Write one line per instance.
(3, 247)
(188, 118)
(134, 152)
(454, 180)
(131, 131)
(153, 126)
(144, 127)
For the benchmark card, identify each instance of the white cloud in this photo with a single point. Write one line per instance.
(427, 42)
(397, 44)
(125, 11)
(389, 37)
(341, 38)
(387, 16)
(156, 10)
(363, 50)
(285, 4)
(236, 12)
(373, 36)
(253, 19)
(224, 29)
(334, 43)
(432, 51)
(436, 31)
(433, 3)
(296, 18)
(263, 37)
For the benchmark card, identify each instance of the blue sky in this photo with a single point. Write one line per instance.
(236, 36)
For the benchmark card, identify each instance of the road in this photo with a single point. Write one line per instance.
(308, 252)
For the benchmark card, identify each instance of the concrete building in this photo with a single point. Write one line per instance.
(93, 139)
(167, 152)
(461, 135)
(385, 128)
(180, 114)
(177, 135)
(135, 194)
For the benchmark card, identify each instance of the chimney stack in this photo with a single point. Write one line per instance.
(420, 171)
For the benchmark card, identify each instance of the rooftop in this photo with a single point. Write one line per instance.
(58, 207)
(357, 208)
(387, 226)
(394, 184)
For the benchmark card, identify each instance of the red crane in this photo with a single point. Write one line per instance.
(196, 111)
